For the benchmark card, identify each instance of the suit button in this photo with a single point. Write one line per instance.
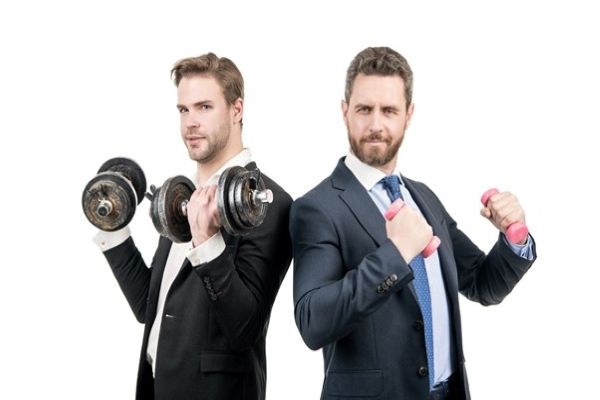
(418, 325)
(209, 286)
(394, 277)
(423, 371)
(213, 297)
(206, 279)
(379, 289)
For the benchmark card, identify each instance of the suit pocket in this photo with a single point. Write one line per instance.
(224, 362)
(363, 383)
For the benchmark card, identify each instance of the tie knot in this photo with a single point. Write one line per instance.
(391, 184)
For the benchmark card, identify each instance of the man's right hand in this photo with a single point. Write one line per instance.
(410, 232)
(203, 215)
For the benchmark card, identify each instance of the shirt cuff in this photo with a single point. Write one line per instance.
(109, 240)
(522, 250)
(207, 251)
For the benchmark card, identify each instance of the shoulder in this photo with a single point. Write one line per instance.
(281, 198)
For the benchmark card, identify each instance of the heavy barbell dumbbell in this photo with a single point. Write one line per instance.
(242, 202)
(109, 200)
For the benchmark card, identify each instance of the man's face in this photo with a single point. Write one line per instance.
(206, 118)
(376, 118)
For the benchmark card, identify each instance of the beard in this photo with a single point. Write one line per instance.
(213, 144)
(374, 156)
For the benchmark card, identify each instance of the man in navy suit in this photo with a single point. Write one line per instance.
(387, 318)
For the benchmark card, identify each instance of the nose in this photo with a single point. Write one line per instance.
(375, 123)
(190, 120)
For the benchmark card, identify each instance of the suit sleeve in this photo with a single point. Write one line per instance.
(331, 299)
(486, 279)
(242, 282)
(133, 276)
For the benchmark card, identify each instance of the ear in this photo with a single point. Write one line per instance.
(238, 110)
(345, 112)
(409, 114)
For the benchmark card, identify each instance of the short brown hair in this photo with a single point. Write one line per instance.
(381, 61)
(222, 69)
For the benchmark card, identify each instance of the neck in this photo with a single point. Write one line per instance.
(388, 168)
(207, 169)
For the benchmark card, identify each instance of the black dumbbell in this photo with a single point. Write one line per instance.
(242, 201)
(109, 200)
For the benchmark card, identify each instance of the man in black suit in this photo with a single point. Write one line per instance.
(386, 317)
(206, 304)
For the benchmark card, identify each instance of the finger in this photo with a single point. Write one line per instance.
(486, 213)
(511, 218)
(501, 200)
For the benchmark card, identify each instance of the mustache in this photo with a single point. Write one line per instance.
(193, 133)
(375, 137)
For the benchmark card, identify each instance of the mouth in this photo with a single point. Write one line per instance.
(374, 142)
(194, 140)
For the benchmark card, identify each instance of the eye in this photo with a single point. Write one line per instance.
(205, 107)
(363, 109)
(182, 110)
(389, 111)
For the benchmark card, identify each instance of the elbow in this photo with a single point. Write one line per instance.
(312, 342)
(140, 317)
(313, 338)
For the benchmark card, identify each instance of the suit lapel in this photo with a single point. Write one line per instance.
(436, 220)
(359, 202)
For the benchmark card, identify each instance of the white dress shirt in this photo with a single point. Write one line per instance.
(203, 253)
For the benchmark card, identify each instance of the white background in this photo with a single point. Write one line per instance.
(507, 95)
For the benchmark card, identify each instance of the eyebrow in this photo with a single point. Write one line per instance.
(196, 104)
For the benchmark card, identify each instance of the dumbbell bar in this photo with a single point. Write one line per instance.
(516, 232)
(242, 201)
(109, 200)
(433, 244)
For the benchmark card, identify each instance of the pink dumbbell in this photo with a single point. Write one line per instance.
(391, 213)
(516, 232)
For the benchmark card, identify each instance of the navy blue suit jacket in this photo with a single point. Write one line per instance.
(372, 339)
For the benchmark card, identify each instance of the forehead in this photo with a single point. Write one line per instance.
(376, 89)
(194, 88)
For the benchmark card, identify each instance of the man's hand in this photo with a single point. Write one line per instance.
(502, 210)
(203, 215)
(410, 232)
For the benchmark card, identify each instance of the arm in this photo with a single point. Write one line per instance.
(330, 299)
(242, 282)
(129, 268)
(486, 279)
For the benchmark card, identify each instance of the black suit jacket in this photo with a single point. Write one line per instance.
(212, 339)
(371, 331)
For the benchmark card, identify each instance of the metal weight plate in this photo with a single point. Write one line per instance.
(252, 214)
(168, 209)
(130, 170)
(109, 201)
(234, 207)
(223, 186)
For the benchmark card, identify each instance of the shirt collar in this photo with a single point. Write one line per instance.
(241, 159)
(367, 175)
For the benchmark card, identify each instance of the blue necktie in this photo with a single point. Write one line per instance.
(392, 186)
